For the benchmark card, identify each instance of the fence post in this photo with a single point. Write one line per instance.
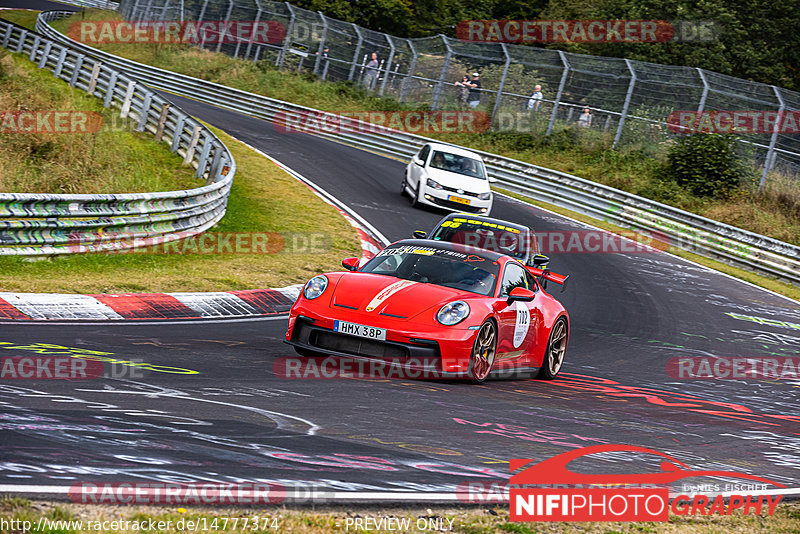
(46, 54)
(187, 159)
(62, 56)
(499, 96)
(145, 112)
(626, 104)
(769, 161)
(358, 52)
(162, 121)
(93, 79)
(221, 36)
(178, 135)
(77, 70)
(321, 47)
(388, 63)
(407, 80)
(146, 14)
(202, 14)
(126, 104)
(255, 24)
(702, 105)
(288, 38)
(560, 91)
(7, 36)
(203, 159)
(21, 42)
(34, 48)
(437, 91)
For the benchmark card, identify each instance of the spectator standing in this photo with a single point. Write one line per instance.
(535, 101)
(371, 76)
(474, 96)
(585, 120)
(463, 92)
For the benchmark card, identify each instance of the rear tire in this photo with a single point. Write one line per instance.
(555, 351)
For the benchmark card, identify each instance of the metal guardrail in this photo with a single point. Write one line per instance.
(36, 224)
(682, 229)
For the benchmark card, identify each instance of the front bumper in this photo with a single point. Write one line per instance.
(445, 350)
(439, 198)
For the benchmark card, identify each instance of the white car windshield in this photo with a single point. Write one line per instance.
(458, 164)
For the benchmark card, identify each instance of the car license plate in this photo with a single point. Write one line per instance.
(359, 330)
(458, 199)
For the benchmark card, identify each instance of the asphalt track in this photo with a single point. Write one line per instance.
(236, 421)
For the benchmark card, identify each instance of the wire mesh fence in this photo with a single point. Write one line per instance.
(624, 103)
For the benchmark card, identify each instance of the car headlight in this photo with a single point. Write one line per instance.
(315, 287)
(453, 313)
(485, 196)
(433, 183)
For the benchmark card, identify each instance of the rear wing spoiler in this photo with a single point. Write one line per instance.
(546, 274)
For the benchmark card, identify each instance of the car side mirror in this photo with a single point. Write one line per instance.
(540, 260)
(492, 180)
(420, 234)
(417, 161)
(520, 294)
(351, 264)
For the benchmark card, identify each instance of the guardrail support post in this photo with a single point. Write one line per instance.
(321, 47)
(126, 104)
(176, 137)
(34, 49)
(388, 64)
(60, 62)
(45, 55)
(288, 37)
(358, 52)
(7, 36)
(110, 88)
(203, 160)
(77, 70)
(187, 159)
(93, 79)
(411, 68)
(21, 41)
(769, 160)
(144, 112)
(499, 96)
(215, 164)
(162, 121)
(437, 91)
(627, 103)
(560, 91)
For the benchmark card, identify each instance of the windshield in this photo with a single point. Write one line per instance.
(458, 164)
(497, 238)
(470, 272)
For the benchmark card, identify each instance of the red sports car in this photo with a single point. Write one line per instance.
(471, 312)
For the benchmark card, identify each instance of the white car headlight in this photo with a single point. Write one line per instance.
(315, 287)
(453, 313)
(485, 196)
(433, 183)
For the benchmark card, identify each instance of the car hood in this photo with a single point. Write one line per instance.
(459, 181)
(386, 295)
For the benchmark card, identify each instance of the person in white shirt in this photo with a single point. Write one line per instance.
(585, 120)
(535, 101)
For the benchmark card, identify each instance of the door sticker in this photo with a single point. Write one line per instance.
(522, 323)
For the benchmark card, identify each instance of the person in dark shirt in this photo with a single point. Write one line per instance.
(474, 98)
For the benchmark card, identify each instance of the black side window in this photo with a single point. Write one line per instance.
(423, 154)
(513, 276)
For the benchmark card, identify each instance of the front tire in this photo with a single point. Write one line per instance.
(415, 198)
(555, 351)
(484, 350)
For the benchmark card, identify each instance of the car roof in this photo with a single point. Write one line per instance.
(446, 245)
(455, 150)
(492, 220)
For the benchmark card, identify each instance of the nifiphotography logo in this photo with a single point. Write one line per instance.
(571, 496)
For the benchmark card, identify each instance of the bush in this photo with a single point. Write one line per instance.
(707, 165)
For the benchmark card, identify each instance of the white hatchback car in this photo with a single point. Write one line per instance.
(448, 177)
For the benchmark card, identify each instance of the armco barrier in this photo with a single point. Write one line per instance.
(32, 224)
(680, 228)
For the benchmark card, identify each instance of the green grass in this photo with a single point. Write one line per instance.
(263, 199)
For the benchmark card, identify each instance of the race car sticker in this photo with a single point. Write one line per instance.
(522, 324)
(388, 292)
